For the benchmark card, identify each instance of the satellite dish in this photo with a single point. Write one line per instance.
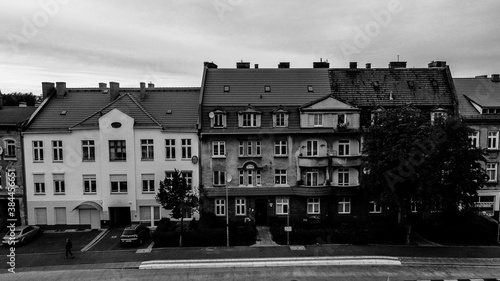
(229, 178)
(211, 115)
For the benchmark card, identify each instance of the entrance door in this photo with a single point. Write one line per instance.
(260, 211)
(119, 216)
(90, 217)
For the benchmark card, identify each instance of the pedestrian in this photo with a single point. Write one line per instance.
(69, 245)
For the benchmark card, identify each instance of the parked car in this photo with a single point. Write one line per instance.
(20, 235)
(135, 234)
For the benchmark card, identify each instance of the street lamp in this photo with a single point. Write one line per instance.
(228, 179)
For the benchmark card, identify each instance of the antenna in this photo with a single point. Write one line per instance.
(398, 58)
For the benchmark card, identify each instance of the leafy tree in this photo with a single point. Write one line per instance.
(13, 99)
(176, 195)
(409, 161)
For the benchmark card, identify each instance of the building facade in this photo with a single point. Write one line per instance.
(95, 156)
(480, 109)
(12, 186)
(286, 143)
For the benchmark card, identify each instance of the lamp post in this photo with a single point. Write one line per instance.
(228, 179)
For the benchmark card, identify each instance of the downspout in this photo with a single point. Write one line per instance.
(198, 131)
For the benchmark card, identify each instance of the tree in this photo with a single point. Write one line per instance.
(13, 99)
(176, 195)
(411, 161)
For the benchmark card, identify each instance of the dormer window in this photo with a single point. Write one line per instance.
(217, 118)
(227, 89)
(491, 111)
(437, 114)
(317, 119)
(249, 117)
(280, 117)
(267, 88)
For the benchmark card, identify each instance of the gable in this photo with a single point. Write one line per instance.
(328, 104)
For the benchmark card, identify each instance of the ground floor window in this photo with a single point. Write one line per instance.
(241, 206)
(313, 206)
(220, 207)
(344, 206)
(282, 205)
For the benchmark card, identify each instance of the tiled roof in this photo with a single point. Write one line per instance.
(288, 86)
(14, 115)
(480, 90)
(393, 86)
(83, 106)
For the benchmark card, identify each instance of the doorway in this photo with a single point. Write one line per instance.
(119, 216)
(261, 211)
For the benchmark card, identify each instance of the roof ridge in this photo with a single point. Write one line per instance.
(143, 109)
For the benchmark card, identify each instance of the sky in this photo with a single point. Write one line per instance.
(84, 42)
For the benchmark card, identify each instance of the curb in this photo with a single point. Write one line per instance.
(270, 262)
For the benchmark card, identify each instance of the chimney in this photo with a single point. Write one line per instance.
(209, 64)
(151, 85)
(103, 85)
(60, 90)
(368, 65)
(143, 91)
(321, 64)
(47, 88)
(495, 78)
(353, 65)
(437, 64)
(242, 64)
(284, 64)
(114, 90)
(256, 66)
(397, 64)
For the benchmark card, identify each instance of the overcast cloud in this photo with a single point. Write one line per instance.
(166, 42)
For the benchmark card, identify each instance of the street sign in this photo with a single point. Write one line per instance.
(288, 228)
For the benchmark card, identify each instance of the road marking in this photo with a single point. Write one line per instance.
(96, 240)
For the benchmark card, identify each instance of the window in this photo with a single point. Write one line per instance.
(280, 148)
(186, 148)
(227, 88)
(220, 207)
(343, 176)
(279, 176)
(10, 149)
(343, 148)
(88, 150)
(118, 183)
(89, 184)
(493, 140)
(219, 178)
(344, 206)
(57, 150)
(313, 206)
(219, 148)
(241, 148)
(188, 176)
(249, 120)
(250, 177)
(414, 205)
(312, 178)
(59, 187)
(474, 138)
(117, 150)
(147, 150)
(249, 148)
(492, 170)
(258, 178)
(374, 208)
(258, 148)
(219, 120)
(39, 181)
(312, 148)
(169, 175)
(310, 88)
(341, 120)
(38, 151)
(267, 88)
(241, 177)
(170, 149)
(438, 114)
(282, 205)
(317, 120)
(280, 119)
(148, 183)
(241, 207)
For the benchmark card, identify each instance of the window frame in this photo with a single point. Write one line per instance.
(10, 149)
(147, 150)
(117, 150)
(240, 206)
(344, 205)
(280, 146)
(280, 177)
(282, 205)
(249, 120)
(88, 150)
(90, 181)
(186, 150)
(59, 184)
(148, 183)
(313, 206)
(37, 146)
(317, 119)
(220, 207)
(169, 149)
(218, 149)
(312, 177)
(493, 140)
(345, 175)
(374, 208)
(57, 151)
(493, 168)
(344, 146)
(219, 178)
(119, 183)
(39, 184)
(312, 148)
(474, 138)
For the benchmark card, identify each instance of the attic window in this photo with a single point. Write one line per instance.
(169, 111)
(491, 110)
(63, 112)
(411, 84)
(227, 88)
(310, 88)
(267, 88)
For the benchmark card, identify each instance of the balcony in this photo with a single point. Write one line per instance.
(346, 161)
(313, 161)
